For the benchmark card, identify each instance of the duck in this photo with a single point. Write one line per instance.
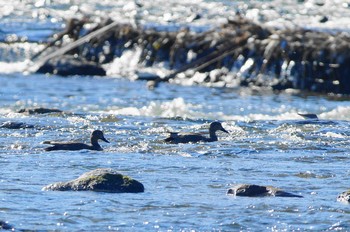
(73, 146)
(196, 137)
(309, 116)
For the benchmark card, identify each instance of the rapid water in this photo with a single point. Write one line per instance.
(185, 184)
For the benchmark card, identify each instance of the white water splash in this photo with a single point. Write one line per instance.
(126, 65)
(339, 113)
(14, 67)
(175, 108)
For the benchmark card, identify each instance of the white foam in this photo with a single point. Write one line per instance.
(126, 65)
(334, 135)
(14, 67)
(339, 113)
(176, 107)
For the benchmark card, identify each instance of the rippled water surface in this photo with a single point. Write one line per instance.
(185, 184)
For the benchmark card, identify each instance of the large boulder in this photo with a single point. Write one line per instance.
(344, 197)
(70, 65)
(100, 180)
(252, 190)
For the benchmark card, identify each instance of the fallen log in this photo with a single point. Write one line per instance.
(39, 61)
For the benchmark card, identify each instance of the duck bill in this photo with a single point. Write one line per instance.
(222, 129)
(103, 139)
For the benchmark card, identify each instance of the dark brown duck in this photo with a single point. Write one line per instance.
(72, 146)
(196, 137)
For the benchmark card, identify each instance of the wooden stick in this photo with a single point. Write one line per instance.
(61, 51)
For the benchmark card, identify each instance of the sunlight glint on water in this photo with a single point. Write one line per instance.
(185, 184)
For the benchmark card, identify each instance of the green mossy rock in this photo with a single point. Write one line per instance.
(252, 190)
(100, 180)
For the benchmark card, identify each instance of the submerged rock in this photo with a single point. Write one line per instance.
(5, 226)
(69, 66)
(15, 125)
(344, 197)
(309, 116)
(247, 190)
(39, 110)
(100, 180)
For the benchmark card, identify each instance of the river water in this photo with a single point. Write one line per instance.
(185, 184)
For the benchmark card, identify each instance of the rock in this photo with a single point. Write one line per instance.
(100, 180)
(15, 125)
(324, 19)
(39, 110)
(69, 66)
(5, 226)
(344, 197)
(247, 190)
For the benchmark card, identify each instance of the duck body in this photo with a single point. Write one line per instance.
(196, 137)
(70, 146)
(73, 146)
(188, 138)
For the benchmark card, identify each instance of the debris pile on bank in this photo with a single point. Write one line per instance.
(240, 51)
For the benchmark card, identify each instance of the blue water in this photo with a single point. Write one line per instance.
(185, 184)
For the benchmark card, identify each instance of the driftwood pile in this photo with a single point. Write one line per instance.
(248, 52)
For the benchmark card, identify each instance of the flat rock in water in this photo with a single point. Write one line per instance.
(15, 125)
(247, 190)
(39, 110)
(69, 66)
(344, 197)
(100, 180)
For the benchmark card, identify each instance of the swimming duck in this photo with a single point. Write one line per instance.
(196, 137)
(72, 146)
(309, 116)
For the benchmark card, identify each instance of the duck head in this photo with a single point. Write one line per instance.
(97, 134)
(215, 126)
